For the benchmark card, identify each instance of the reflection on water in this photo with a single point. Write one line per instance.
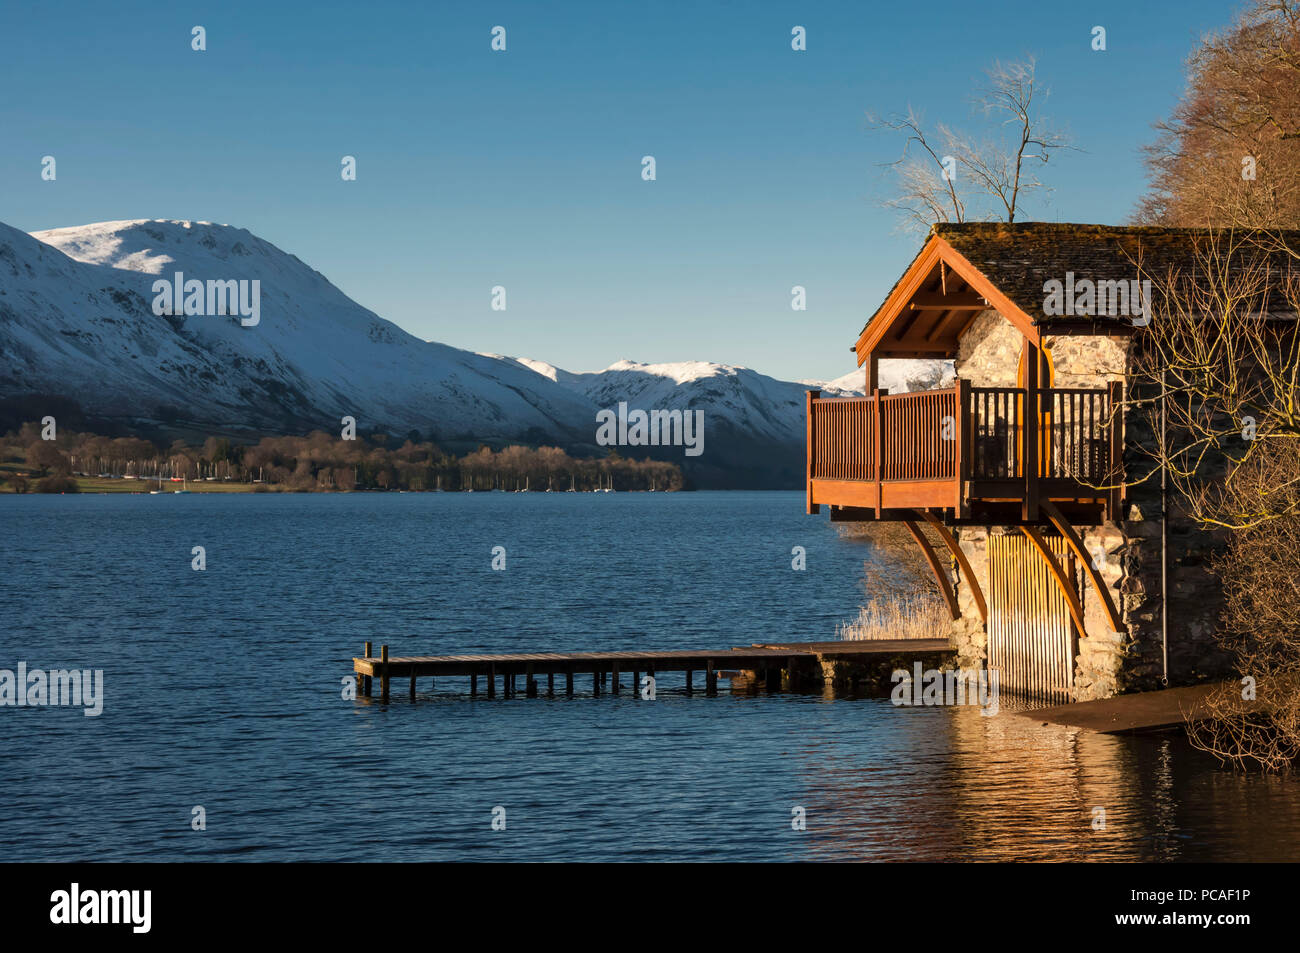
(222, 689)
(961, 786)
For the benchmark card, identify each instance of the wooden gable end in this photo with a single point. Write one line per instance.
(932, 305)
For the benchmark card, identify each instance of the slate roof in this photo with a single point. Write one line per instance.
(1019, 258)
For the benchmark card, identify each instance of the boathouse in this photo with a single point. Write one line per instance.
(1054, 561)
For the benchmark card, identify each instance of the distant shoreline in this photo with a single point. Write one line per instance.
(150, 487)
(37, 459)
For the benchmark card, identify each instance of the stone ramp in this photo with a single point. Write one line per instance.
(1143, 711)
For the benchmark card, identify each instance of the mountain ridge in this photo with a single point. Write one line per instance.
(76, 319)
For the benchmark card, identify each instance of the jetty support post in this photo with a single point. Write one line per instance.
(473, 685)
(365, 686)
(568, 681)
(383, 673)
(689, 687)
(492, 680)
(614, 679)
(710, 679)
(550, 684)
(530, 690)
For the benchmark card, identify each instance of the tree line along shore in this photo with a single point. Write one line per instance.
(318, 462)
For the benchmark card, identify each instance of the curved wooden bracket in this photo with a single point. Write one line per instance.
(966, 572)
(1072, 538)
(945, 586)
(1062, 580)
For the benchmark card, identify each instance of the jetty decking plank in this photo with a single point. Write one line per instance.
(671, 660)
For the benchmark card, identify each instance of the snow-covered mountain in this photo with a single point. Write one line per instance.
(736, 396)
(754, 424)
(76, 319)
(897, 376)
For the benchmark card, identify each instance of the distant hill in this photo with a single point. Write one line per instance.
(77, 323)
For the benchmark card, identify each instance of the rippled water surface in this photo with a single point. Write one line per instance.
(223, 689)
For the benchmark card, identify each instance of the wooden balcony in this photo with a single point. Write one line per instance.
(963, 451)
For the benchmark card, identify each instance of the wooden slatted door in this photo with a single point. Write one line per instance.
(1032, 642)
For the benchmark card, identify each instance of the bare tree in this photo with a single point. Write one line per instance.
(1220, 361)
(1256, 721)
(927, 192)
(47, 457)
(948, 175)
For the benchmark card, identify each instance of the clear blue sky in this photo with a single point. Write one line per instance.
(523, 168)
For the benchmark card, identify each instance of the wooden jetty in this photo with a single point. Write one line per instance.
(776, 663)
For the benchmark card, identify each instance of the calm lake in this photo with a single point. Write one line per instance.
(224, 689)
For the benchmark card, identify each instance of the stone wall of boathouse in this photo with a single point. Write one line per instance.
(1126, 552)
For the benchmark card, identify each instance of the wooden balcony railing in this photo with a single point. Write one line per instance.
(845, 438)
(917, 436)
(996, 413)
(1076, 435)
(950, 446)
(1073, 434)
